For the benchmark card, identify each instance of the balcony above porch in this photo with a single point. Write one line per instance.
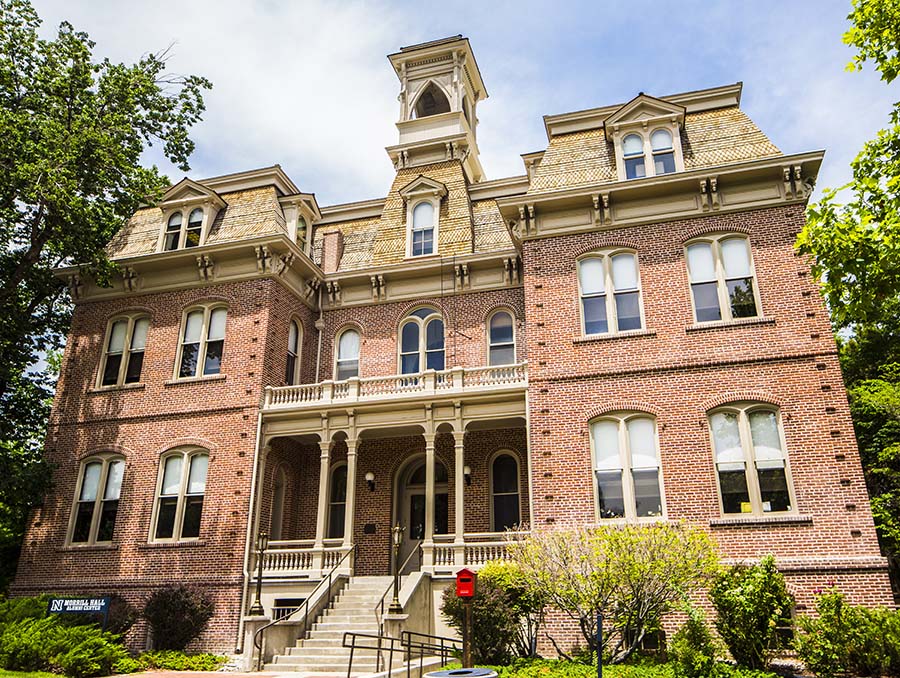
(453, 383)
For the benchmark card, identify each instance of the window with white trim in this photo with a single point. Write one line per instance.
(751, 462)
(723, 285)
(610, 293)
(183, 233)
(278, 494)
(633, 155)
(182, 488)
(97, 500)
(504, 492)
(292, 367)
(501, 339)
(663, 151)
(202, 342)
(421, 235)
(626, 467)
(648, 152)
(347, 363)
(337, 501)
(123, 354)
(422, 342)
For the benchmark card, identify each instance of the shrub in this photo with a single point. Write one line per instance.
(173, 660)
(693, 649)
(122, 615)
(751, 603)
(848, 639)
(17, 609)
(527, 602)
(494, 621)
(177, 615)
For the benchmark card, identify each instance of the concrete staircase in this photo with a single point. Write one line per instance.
(323, 651)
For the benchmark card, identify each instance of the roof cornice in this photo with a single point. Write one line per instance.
(256, 178)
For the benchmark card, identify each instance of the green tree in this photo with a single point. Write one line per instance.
(72, 131)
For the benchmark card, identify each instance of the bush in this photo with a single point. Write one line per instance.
(173, 660)
(693, 649)
(848, 639)
(751, 603)
(177, 615)
(495, 623)
(122, 615)
(46, 645)
(527, 602)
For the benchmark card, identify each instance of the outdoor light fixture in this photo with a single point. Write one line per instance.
(370, 481)
(262, 543)
(397, 541)
(467, 474)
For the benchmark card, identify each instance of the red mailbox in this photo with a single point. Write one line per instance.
(465, 583)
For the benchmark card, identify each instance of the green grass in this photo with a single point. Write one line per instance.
(26, 674)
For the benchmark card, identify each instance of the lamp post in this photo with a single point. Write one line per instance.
(262, 542)
(397, 538)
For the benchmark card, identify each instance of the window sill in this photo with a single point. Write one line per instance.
(71, 548)
(172, 544)
(588, 338)
(738, 521)
(422, 257)
(113, 389)
(194, 380)
(725, 324)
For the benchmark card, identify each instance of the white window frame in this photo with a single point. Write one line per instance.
(131, 319)
(491, 344)
(492, 494)
(334, 469)
(423, 324)
(645, 129)
(714, 241)
(106, 460)
(295, 376)
(435, 203)
(743, 410)
(185, 210)
(628, 496)
(207, 310)
(187, 455)
(337, 352)
(612, 317)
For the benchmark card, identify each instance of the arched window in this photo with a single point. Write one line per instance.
(501, 339)
(722, 278)
(633, 155)
(337, 501)
(626, 467)
(347, 363)
(97, 500)
(182, 486)
(415, 497)
(751, 462)
(301, 233)
(123, 355)
(602, 312)
(422, 342)
(422, 232)
(194, 228)
(431, 102)
(504, 492)
(202, 342)
(663, 153)
(173, 232)
(292, 368)
(277, 520)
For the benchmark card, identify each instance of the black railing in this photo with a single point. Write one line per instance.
(327, 580)
(410, 645)
(379, 606)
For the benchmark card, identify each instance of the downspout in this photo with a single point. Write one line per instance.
(254, 514)
(320, 326)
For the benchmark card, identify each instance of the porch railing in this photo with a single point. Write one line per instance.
(477, 549)
(300, 558)
(457, 380)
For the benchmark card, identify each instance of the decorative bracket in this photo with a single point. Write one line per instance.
(511, 270)
(312, 286)
(709, 194)
(130, 279)
(76, 287)
(333, 289)
(263, 258)
(379, 292)
(461, 277)
(282, 263)
(607, 213)
(206, 269)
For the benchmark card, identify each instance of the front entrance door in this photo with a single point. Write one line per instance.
(411, 510)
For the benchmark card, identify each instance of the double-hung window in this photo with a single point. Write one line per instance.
(123, 355)
(422, 231)
(292, 367)
(504, 492)
(751, 463)
(633, 156)
(626, 467)
(337, 501)
(97, 500)
(347, 363)
(610, 293)
(723, 283)
(202, 342)
(501, 339)
(181, 233)
(182, 487)
(422, 342)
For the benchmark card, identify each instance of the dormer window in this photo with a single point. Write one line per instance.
(422, 235)
(301, 233)
(181, 233)
(194, 228)
(646, 135)
(423, 206)
(188, 211)
(663, 153)
(633, 155)
(431, 102)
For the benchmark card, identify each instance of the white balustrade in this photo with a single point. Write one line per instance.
(290, 558)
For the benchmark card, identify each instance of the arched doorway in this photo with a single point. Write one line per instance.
(410, 507)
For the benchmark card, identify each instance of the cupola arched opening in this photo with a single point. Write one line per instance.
(431, 102)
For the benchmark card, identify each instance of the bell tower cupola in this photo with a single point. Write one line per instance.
(440, 87)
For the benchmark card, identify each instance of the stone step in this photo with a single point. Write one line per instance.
(318, 643)
(324, 667)
(366, 617)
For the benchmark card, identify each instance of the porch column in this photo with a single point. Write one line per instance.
(324, 468)
(429, 501)
(459, 556)
(350, 501)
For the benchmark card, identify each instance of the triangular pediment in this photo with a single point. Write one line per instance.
(644, 107)
(422, 185)
(187, 190)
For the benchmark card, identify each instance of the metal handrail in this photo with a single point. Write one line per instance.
(379, 606)
(444, 648)
(258, 636)
(406, 644)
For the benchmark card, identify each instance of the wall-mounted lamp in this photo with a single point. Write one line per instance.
(370, 481)
(467, 474)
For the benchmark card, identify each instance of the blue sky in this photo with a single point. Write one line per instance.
(306, 83)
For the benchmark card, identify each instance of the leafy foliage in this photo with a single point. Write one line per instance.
(170, 660)
(694, 650)
(556, 668)
(845, 639)
(72, 131)
(527, 602)
(632, 574)
(751, 604)
(177, 614)
(495, 623)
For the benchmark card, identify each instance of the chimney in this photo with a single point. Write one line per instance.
(332, 251)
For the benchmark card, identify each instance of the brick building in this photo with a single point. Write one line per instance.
(622, 333)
